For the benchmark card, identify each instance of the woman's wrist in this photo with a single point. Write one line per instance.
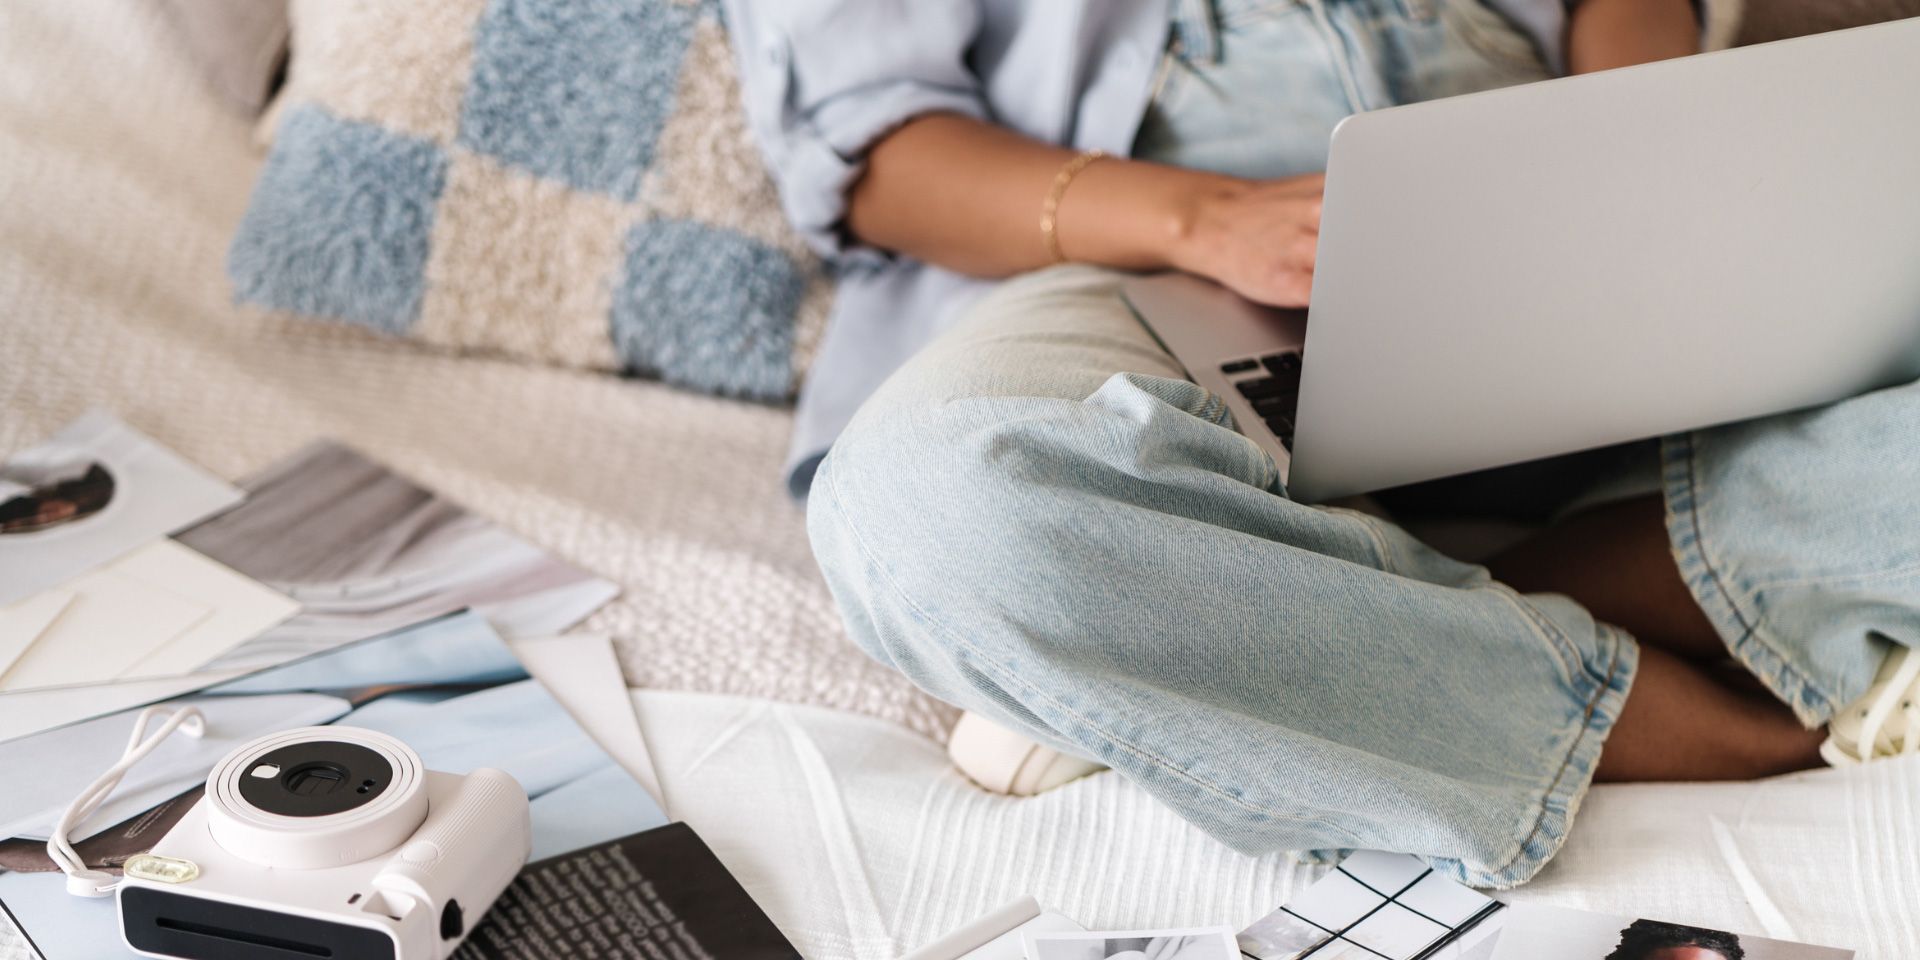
(1140, 216)
(1189, 238)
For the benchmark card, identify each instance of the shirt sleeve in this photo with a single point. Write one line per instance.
(823, 80)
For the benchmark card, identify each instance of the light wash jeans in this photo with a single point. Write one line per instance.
(1039, 519)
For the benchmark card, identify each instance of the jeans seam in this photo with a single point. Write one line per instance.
(982, 662)
(1383, 551)
(1753, 646)
(1571, 663)
(1719, 578)
(1566, 763)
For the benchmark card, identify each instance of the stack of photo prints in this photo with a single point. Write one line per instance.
(1378, 906)
(327, 589)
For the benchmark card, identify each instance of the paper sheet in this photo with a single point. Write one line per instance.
(582, 672)
(996, 936)
(112, 622)
(154, 492)
(23, 622)
(162, 610)
(64, 761)
(303, 530)
(240, 608)
(31, 711)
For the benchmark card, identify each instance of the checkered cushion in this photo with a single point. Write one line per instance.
(567, 182)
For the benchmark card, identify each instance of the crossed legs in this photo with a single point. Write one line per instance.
(1692, 715)
(1040, 520)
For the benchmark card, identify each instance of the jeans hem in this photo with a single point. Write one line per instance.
(1560, 803)
(1728, 604)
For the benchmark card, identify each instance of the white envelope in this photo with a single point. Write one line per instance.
(22, 623)
(112, 621)
(162, 610)
(242, 608)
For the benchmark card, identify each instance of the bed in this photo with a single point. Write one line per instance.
(815, 773)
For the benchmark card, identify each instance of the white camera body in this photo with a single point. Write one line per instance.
(327, 841)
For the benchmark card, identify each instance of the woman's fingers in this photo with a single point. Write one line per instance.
(1259, 239)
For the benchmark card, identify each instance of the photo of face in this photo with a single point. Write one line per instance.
(1534, 931)
(1653, 940)
(39, 496)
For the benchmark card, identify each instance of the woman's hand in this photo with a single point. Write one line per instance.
(966, 195)
(1257, 238)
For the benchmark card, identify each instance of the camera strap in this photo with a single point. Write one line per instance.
(82, 882)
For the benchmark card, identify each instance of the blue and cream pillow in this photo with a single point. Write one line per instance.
(569, 182)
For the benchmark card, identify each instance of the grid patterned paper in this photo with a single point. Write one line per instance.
(1374, 906)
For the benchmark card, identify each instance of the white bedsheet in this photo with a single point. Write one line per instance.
(861, 842)
(120, 180)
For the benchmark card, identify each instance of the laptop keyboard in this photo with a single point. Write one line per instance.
(1272, 385)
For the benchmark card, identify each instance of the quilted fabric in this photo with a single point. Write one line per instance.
(565, 182)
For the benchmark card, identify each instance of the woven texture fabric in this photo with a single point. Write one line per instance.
(862, 842)
(569, 183)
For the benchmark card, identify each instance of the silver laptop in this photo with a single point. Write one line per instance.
(1572, 264)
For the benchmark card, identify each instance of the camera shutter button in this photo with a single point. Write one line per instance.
(421, 853)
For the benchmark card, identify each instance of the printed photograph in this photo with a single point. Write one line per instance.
(365, 550)
(1378, 905)
(35, 496)
(1536, 931)
(343, 547)
(90, 493)
(1209, 943)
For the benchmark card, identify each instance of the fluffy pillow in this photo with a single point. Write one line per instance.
(567, 182)
(239, 45)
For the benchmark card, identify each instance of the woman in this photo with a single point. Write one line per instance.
(1039, 519)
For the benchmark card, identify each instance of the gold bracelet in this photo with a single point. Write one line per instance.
(1050, 210)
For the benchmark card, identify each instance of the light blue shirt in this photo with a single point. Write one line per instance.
(824, 79)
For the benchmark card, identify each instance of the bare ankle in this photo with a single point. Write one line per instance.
(1680, 724)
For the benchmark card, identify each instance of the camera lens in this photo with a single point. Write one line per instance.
(315, 797)
(315, 778)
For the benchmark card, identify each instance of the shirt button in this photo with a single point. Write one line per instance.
(776, 54)
(1127, 58)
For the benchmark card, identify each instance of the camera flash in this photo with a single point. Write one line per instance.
(265, 771)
